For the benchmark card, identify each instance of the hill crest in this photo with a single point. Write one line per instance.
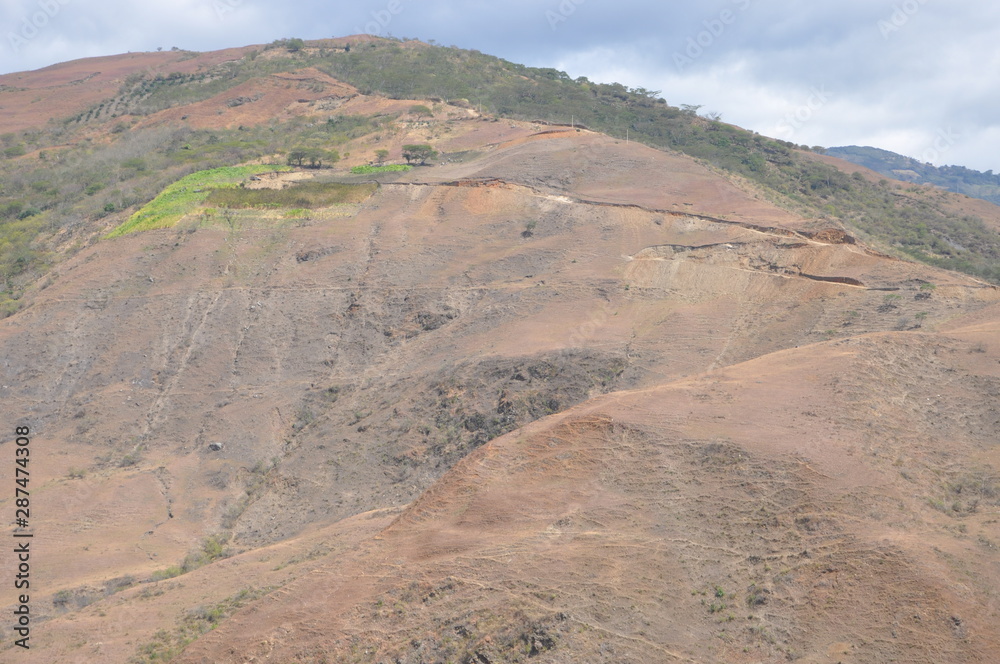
(558, 397)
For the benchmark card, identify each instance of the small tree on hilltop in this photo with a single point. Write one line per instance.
(420, 153)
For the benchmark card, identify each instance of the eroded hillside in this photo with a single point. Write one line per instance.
(751, 426)
(558, 397)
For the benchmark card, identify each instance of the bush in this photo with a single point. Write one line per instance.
(212, 549)
(168, 573)
(421, 111)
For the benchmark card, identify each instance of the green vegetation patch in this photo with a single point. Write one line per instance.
(388, 168)
(182, 196)
(307, 195)
(165, 645)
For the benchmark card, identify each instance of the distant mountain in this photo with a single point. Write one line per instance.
(953, 178)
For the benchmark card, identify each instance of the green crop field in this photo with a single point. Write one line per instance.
(388, 168)
(184, 195)
(307, 195)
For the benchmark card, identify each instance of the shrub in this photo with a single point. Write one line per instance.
(421, 111)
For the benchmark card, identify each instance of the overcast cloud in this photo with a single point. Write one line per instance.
(913, 76)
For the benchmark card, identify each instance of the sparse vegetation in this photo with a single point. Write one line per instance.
(379, 421)
(910, 224)
(91, 181)
(168, 573)
(209, 550)
(965, 492)
(167, 644)
(756, 596)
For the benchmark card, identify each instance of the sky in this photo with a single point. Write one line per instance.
(918, 77)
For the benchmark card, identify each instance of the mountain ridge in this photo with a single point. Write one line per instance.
(959, 179)
(209, 108)
(558, 397)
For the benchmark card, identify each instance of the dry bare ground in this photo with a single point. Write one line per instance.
(569, 400)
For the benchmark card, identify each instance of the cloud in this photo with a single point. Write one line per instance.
(897, 87)
(898, 72)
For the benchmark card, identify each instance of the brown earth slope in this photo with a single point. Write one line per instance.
(32, 99)
(732, 434)
(772, 511)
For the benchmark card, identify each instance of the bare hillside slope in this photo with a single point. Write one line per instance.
(623, 410)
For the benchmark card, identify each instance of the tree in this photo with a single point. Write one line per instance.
(294, 45)
(317, 156)
(420, 153)
(421, 111)
(297, 156)
(314, 156)
(381, 156)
